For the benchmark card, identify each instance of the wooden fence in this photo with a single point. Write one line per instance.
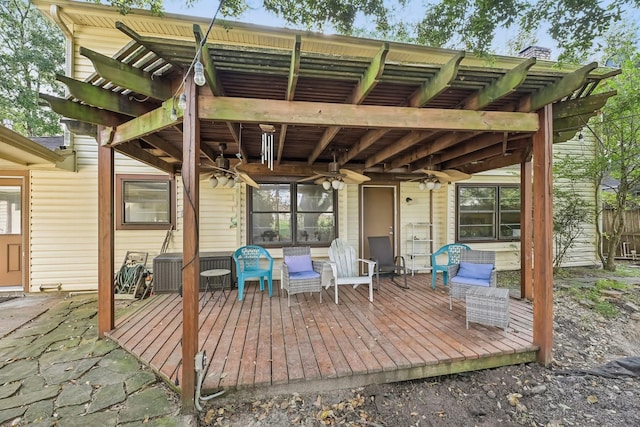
(629, 247)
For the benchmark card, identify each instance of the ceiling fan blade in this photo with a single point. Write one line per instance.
(438, 174)
(311, 178)
(248, 180)
(353, 177)
(456, 175)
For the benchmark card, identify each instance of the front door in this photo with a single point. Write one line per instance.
(378, 214)
(11, 232)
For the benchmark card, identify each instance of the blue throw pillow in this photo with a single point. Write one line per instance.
(298, 263)
(475, 271)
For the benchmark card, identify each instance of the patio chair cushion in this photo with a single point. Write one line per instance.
(469, 270)
(298, 263)
(470, 281)
(300, 275)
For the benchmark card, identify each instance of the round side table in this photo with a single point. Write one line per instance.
(222, 274)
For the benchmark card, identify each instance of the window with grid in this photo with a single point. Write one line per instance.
(145, 202)
(292, 214)
(487, 213)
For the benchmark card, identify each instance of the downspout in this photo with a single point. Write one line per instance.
(55, 12)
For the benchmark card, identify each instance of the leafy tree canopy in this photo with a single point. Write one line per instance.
(574, 24)
(31, 52)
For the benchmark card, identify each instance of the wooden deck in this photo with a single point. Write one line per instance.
(259, 345)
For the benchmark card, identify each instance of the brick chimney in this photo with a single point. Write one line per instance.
(535, 52)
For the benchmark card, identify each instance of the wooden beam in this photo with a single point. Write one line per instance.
(190, 249)
(210, 74)
(106, 239)
(485, 153)
(148, 123)
(163, 145)
(284, 170)
(558, 90)
(580, 106)
(294, 70)
(437, 84)
(526, 233)
(80, 128)
(125, 75)
(83, 113)
(143, 41)
(367, 116)
(441, 143)
(482, 141)
(497, 162)
(367, 82)
(502, 87)
(543, 238)
(367, 140)
(407, 141)
(103, 98)
(132, 149)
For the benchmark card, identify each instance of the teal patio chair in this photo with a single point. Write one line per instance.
(247, 259)
(453, 252)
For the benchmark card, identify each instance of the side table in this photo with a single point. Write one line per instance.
(222, 274)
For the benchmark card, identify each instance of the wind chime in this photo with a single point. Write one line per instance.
(267, 145)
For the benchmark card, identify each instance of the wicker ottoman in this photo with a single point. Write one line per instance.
(489, 306)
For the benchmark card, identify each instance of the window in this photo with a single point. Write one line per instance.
(145, 202)
(488, 213)
(292, 214)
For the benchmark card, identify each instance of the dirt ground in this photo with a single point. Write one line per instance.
(565, 394)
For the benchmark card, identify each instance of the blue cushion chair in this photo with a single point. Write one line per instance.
(249, 266)
(452, 250)
(476, 269)
(299, 273)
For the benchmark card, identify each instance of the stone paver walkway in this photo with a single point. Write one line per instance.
(55, 371)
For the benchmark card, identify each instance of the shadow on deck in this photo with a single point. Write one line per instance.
(259, 346)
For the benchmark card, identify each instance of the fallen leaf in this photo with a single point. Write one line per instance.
(592, 399)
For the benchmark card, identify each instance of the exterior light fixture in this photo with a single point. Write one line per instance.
(174, 114)
(430, 185)
(326, 184)
(182, 101)
(437, 185)
(213, 181)
(422, 185)
(198, 74)
(223, 179)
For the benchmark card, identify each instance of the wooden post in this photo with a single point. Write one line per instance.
(543, 235)
(526, 246)
(190, 255)
(105, 239)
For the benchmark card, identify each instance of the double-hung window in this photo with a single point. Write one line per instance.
(290, 214)
(487, 213)
(145, 202)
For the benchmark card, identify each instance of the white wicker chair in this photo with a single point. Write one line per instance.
(309, 282)
(457, 289)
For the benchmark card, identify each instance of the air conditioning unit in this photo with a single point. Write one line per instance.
(167, 269)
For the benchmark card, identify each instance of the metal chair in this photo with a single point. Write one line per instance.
(344, 266)
(386, 264)
(299, 272)
(459, 284)
(453, 252)
(247, 259)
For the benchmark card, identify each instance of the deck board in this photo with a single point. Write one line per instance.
(260, 342)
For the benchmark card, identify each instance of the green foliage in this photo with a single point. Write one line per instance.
(595, 294)
(570, 212)
(31, 52)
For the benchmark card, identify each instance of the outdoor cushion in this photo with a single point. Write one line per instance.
(301, 275)
(472, 270)
(298, 263)
(470, 281)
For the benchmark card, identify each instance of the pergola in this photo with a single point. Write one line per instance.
(388, 109)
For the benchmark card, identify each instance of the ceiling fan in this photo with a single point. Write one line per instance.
(434, 178)
(223, 175)
(336, 177)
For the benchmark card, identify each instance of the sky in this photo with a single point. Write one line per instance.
(206, 9)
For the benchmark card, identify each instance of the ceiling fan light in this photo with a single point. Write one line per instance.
(231, 183)
(213, 181)
(223, 179)
(326, 185)
(342, 185)
(335, 184)
(422, 186)
(431, 185)
(437, 185)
